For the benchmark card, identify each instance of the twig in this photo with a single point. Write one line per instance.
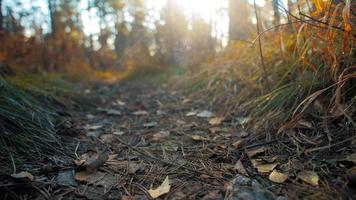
(260, 48)
(160, 160)
(328, 146)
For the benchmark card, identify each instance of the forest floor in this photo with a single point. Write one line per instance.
(141, 142)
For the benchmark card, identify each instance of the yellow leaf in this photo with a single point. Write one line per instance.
(216, 120)
(277, 177)
(23, 175)
(161, 190)
(309, 177)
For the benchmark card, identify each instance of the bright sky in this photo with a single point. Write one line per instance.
(204, 8)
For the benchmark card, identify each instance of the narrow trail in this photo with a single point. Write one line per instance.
(140, 141)
(144, 134)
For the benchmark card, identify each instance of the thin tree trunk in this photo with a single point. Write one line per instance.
(51, 8)
(276, 14)
(1, 17)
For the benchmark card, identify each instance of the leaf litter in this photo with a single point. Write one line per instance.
(201, 152)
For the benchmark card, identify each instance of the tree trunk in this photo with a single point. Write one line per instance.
(1, 17)
(239, 20)
(51, 8)
(276, 14)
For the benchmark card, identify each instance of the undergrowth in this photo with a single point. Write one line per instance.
(307, 62)
(28, 111)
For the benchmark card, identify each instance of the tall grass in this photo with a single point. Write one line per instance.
(28, 111)
(316, 50)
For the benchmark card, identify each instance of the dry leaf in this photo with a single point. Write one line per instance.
(161, 190)
(24, 175)
(191, 114)
(277, 177)
(205, 114)
(93, 127)
(309, 177)
(97, 178)
(113, 112)
(239, 167)
(150, 124)
(198, 138)
(108, 138)
(262, 167)
(254, 151)
(140, 112)
(216, 120)
(160, 135)
(351, 158)
(237, 144)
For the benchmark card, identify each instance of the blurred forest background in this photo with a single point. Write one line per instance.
(266, 66)
(270, 54)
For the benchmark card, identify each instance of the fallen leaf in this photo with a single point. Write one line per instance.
(161, 190)
(160, 135)
(119, 102)
(113, 112)
(310, 177)
(93, 127)
(186, 100)
(140, 112)
(24, 175)
(205, 114)
(277, 177)
(350, 158)
(198, 138)
(150, 124)
(239, 167)
(262, 167)
(216, 120)
(254, 151)
(190, 114)
(214, 130)
(119, 133)
(97, 178)
(237, 144)
(108, 138)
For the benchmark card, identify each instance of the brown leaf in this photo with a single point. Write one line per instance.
(351, 158)
(237, 144)
(24, 175)
(216, 120)
(96, 178)
(310, 177)
(108, 138)
(262, 167)
(254, 151)
(198, 138)
(160, 135)
(240, 168)
(277, 177)
(161, 190)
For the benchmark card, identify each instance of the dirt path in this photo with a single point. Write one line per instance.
(147, 134)
(137, 136)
